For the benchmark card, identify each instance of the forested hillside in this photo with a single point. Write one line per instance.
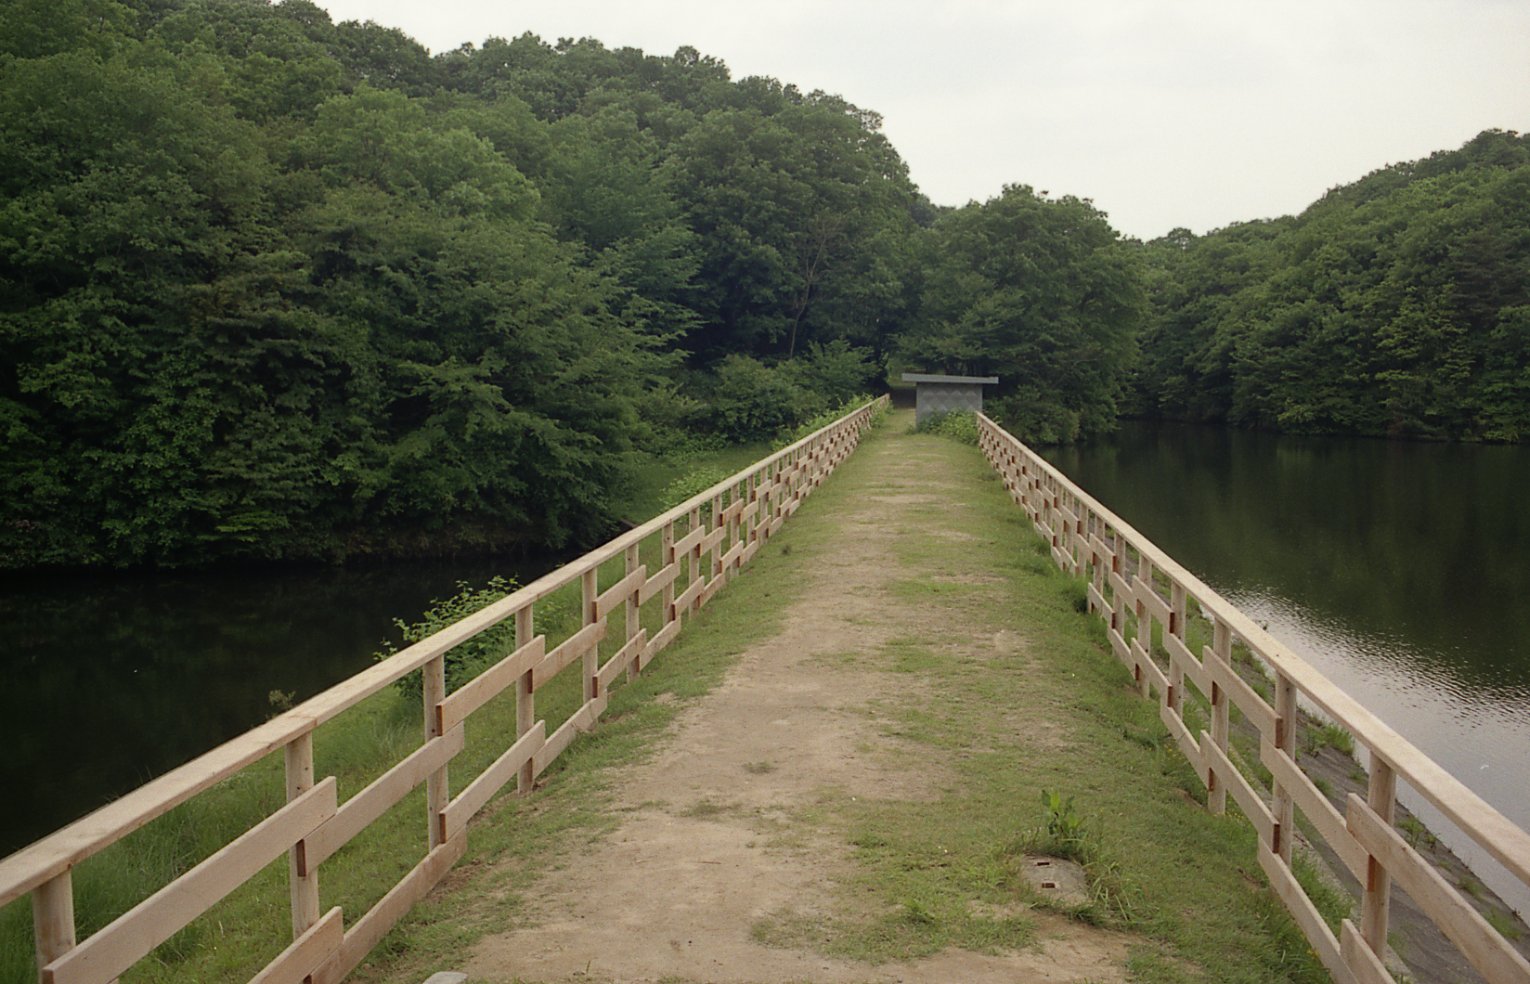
(1398, 305)
(274, 287)
(277, 288)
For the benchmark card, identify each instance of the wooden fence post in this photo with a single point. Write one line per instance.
(1097, 532)
(667, 557)
(693, 557)
(1176, 628)
(1144, 624)
(1221, 648)
(303, 880)
(589, 590)
(713, 525)
(730, 536)
(633, 626)
(1281, 805)
(1117, 596)
(525, 702)
(437, 790)
(1376, 905)
(53, 918)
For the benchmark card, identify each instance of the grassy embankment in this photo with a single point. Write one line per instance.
(1181, 882)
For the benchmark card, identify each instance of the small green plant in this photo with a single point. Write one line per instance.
(692, 483)
(1415, 833)
(918, 913)
(1323, 786)
(1470, 887)
(1330, 900)
(1064, 825)
(1504, 924)
(1327, 735)
(957, 425)
(462, 661)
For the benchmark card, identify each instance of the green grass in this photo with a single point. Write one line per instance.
(1504, 925)
(1319, 735)
(652, 476)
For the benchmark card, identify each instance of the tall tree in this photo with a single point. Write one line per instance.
(1041, 293)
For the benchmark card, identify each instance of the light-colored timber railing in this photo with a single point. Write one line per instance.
(1142, 593)
(701, 544)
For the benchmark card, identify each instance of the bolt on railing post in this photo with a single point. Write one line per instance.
(525, 701)
(1376, 905)
(303, 881)
(53, 918)
(1281, 805)
(1221, 648)
(437, 790)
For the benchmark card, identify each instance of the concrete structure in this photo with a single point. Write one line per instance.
(947, 394)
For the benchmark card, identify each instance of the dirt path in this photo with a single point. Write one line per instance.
(719, 833)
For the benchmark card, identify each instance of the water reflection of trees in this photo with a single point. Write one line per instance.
(116, 678)
(1395, 539)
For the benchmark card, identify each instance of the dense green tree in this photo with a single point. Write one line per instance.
(274, 287)
(805, 216)
(1041, 293)
(1394, 306)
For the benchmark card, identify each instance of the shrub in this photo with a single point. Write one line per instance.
(693, 482)
(837, 373)
(752, 401)
(1035, 419)
(957, 425)
(465, 660)
(821, 420)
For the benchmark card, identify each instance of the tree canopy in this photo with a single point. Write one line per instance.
(273, 287)
(1042, 293)
(1398, 305)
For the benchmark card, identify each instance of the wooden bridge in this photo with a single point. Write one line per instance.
(634, 595)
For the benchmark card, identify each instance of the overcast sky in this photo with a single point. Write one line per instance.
(1194, 113)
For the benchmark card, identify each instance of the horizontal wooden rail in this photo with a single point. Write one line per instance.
(1144, 597)
(700, 544)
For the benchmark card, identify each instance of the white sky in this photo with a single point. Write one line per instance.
(1166, 113)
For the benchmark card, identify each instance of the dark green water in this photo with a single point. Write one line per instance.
(1401, 570)
(113, 679)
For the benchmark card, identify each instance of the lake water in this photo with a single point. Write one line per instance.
(113, 679)
(1400, 570)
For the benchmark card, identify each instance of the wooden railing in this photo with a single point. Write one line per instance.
(1144, 596)
(701, 544)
